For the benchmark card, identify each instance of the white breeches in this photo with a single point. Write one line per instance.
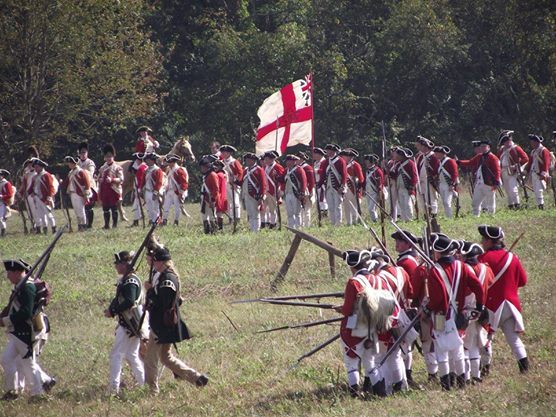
(253, 213)
(456, 357)
(270, 214)
(127, 348)
(171, 199)
(322, 199)
(371, 205)
(293, 208)
(44, 217)
(13, 362)
(78, 204)
(508, 325)
(349, 206)
(511, 186)
(306, 210)
(334, 199)
(406, 202)
(484, 195)
(152, 205)
(394, 205)
(474, 343)
(446, 194)
(233, 197)
(32, 208)
(424, 198)
(3, 214)
(427, 346)
(539, 186)
(136, 207)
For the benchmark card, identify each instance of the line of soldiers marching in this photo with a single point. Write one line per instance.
(457, 296)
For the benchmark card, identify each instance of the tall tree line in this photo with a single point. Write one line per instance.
(449, 70)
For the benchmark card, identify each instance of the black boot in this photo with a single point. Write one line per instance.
(220, 223)
(53, 230)
(45, 230)
(453, 379)
(461, 381)
(445, 382)
(206, 227)
(523, 364)
(367, 387)
(164, 222)
(3, 232)
(263, 225)
(485, 370)
(176, 223)
(272, 226)
(135, 223)
(354, 390)
(114, 217)
(541, 206)
(106, 214)
(212, 227)
(410, 382)
(379, 389)
(90, 215)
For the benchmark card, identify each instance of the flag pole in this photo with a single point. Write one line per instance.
(313, 147)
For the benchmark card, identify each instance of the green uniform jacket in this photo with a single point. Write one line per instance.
(21, 312)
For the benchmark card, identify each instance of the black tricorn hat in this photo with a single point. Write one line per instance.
(470, 249)
(405, 152)
(292, 157)
(37, 161)
(151, 155)
(349, 152)
(476, 143)
(109, 148)
(251, 155)
(397, 235)
(442, 149)
(371, 157)
(332, 147)
(123, 257)
(319, 151)
(4, 172)
(71, 159)
(536, 138)
(227, 148)
(491, 232)
(442, 243)
(356, 257)
(271, 154)
(505, 136)
(303, 155)
(144, 129)
(425, 142)
(17, 265)
(161, 254)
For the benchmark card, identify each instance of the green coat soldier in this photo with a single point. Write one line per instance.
(167, 328)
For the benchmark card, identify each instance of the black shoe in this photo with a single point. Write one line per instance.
(206, 227)
(202, 381)
(367, 387)
(164, 222)
(354, 390)
(220, 223)
(476, 380)
(523, 364)
(461, 381)
(263, 225)
(47, 386)
(541, 206)
(53, 230)
(45, 230)
(134, 224)
(445, 382)
(272, 225)
(10, 396)
(485, 370)
(176, 223)
(410, 382)
(3, 232)
(397, 387)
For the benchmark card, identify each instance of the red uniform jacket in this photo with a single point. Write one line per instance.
(338, 181)
(408, 261)
(81, 183)
(7, 192)
(399, 285)
(485, 275)
(375, 177)
(141, 144)
(489, 165)
(179, 180)
(432, 165)
(298, 178)
(210, 190)
(438, 302)
(310, 174)
(46, 190)
(543, 160)
(256, 182)
(235, 170)
(222, 200)
(517, 155)
(408, 172)
(156, 178)
(355, 174)
(448, 168)
(140, 176)
(506, 287)
(274, 178)
(392, 170)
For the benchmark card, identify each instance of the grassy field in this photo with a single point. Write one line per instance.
(248, 372)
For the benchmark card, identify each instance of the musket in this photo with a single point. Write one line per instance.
(319, 212)
(23, 219)
(315, 350)
(302, 326)
(299, 304)
(28, 208)
(292, 297)
(415, 246)
(458, 205)
(65, 209)
(41, 258)
(516, 241)
(140, 202)
(384, 166)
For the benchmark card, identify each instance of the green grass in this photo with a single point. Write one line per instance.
(249, 372)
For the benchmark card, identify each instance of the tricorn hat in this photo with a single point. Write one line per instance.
(471, 249)
(227, 148)
(398, 235)
(332, 147)
(151, 155)
(109, 149)
(442, 149)
(292, 157)
(319, 151)
(144, 129)
(442, 243)
(161, 254)
(505, 136)
(70, 159)
(356, 257)
(271, 155)
(303, 155)
(206, 160)
(17, 265)
(491, 232)
(536, 138)
(138, 155)
(476, 143)
(425, 142)
(123, 257)
(4, 172)
(404, 152)
(251, 155)
(349, 152)
(372, 158)
(37, 161)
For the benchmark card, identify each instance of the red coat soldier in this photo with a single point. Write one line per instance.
(406, 182)
(222, 204)
(311, 183)
(6, 199)
(355, 181)
(448, 178)
(110, 180)
(512, 159)
(373, 185)
(274, 173)
(254, 189)
(296, 193)
(44, 189)
(176, 192)
(427, 170)
(538, 168)
(333, 175)
(210, 194)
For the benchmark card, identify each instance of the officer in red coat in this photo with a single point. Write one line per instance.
(485, 168)
(78, 187)
(153, 189)
(44, 189)
(177, 188)
(355, 181)
(222, 204)
(110, 180)
(406, 182)
(253, 190)
(333, 175)
(538, 168)
(512, 159)
(448, 178)
(274, 173)
(210, 193)
(145, 142)
(427, 170)
(6, 199)
(234, 171)
(449, 282)
(502, 300)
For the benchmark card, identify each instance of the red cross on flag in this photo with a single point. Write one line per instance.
(286, 118)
